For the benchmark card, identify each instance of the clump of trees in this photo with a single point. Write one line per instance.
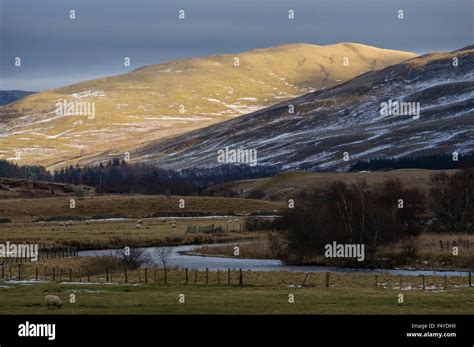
(352, 214)
(430, 162)
(379, 215)
(452, 201)
(119, 177)
(33, 172)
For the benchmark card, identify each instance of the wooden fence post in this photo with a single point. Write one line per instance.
(19, 272)
(54, 274)
(195, 276)
(218, 278)
(207, 276)
(376, 282)
(241, 278)
(423, 277)
(228, 276)
(445, 282)
(470, 282)
(187, 275)
(327, 279)
(401, 280)
(125, 273)
(3, 271)
(36, 273)
(146, 275)
(107, 274)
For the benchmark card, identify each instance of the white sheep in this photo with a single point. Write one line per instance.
(173, 224)
(68, 223)
(53, 301)
(138, 226)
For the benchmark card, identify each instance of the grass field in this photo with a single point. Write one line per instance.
(143, 291)
(116, 234)
(289, 184)
(213, 299)
(133, 206)
(42, 220)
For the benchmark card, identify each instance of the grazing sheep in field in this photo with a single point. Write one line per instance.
(173, 224)
(53, 301)
(138, 226)
(140, 221)
(68, 223)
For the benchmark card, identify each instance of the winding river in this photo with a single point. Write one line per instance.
(178, 258)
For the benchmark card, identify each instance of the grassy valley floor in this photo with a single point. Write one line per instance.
(111, 221)
(213, 299)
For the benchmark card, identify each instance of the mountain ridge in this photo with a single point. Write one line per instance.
(9, 96)
(343, 118)
(171, 98)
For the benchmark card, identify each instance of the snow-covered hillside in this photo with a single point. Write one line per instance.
(113, 115)
(336, 127)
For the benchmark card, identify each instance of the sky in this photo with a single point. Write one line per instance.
(56, 50)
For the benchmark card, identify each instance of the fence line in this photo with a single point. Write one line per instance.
(235, 277)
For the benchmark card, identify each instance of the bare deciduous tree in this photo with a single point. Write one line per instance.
(133, 257)
(164, 254)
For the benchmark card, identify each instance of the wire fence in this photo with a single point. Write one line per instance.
(29, 272)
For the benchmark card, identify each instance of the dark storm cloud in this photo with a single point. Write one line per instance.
(56, 50)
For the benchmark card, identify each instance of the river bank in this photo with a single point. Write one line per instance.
(186, 256)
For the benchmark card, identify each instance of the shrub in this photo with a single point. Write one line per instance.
(256, 194)
(134, 258)
(259, 224)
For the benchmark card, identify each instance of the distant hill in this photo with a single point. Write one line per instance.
(289, 184)
(8, 96)
(168, 99)
(11, 188)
